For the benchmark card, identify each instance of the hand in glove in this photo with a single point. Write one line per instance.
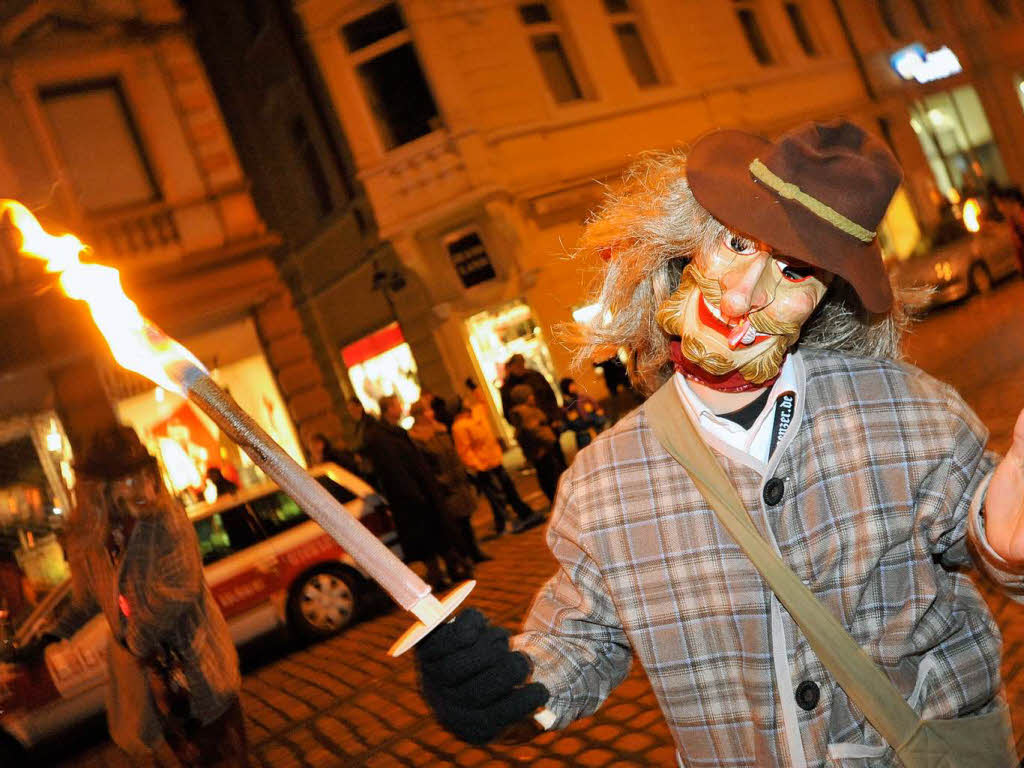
(473, 681)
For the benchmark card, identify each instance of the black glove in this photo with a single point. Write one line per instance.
(473, 681)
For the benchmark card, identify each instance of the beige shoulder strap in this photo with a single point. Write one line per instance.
(862, 680)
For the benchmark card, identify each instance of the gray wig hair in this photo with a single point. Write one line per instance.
(646, 231)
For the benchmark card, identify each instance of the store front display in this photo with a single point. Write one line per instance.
(186, 442)
(495, 335)
(382, 364)
(957, 140)
(35, 494)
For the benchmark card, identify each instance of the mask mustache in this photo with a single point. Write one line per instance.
(712, 291)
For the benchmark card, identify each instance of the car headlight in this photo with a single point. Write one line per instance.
(943, 271)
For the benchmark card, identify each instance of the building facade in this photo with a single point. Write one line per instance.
(479, 131)
(112, 132)
(947, 78)
(346, 283)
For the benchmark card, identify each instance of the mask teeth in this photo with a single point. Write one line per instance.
(739, 334)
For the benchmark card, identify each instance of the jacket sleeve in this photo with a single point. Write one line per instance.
(959, 486)
(173, 583)
(573, 634)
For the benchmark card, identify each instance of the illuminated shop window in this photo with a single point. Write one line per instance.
(626, 24)
(497, 334)
(746, 14)
(555, 62)
(382, 364)
(35, 467)
(389, 69)
(958, 142)
(1018, 86)
(899, 231)
(99, 144)
(798, 22)
(185, 441)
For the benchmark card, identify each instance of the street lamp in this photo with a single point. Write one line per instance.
(388, 281)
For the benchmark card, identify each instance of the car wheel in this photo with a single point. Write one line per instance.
(981, 280)
(322, 602)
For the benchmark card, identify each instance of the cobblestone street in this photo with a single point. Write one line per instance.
(346, 702)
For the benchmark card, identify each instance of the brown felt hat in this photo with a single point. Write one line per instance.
(817, 193)
(114, 453)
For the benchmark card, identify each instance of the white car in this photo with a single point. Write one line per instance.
(958, 263)
(267, 564)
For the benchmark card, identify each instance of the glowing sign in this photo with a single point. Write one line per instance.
(915, 63)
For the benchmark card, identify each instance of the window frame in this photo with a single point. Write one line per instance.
(633, 15)
(556, 28)
(374, 50)
(751, 9)
(114, 85)
(800, 26)
(889, 17)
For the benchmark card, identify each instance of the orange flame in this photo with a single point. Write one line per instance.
(136, 343)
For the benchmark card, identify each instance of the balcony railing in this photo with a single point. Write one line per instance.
(132, 234)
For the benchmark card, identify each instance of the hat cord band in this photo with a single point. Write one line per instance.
(793, 192)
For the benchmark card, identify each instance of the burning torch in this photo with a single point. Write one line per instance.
(139, 345)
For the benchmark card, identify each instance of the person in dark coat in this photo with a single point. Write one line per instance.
(460, 500)
(537, 439)
(416, 501)
(544, 396)
(323, 450)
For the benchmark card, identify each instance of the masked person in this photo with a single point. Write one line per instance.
(747, 286)
(133, 554)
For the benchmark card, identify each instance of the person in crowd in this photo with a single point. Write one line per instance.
(416, 501)
(746, 284)
(517, 373)
(133, 554)
(459, 499)
(583, 415)
(323, 450)
(1010, 203)
(537, 439)
(361, 421)
(444, 412)
(481, 454)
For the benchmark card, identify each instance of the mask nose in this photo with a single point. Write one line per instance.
(747, 287)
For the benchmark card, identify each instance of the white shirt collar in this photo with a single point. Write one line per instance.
(754, 441)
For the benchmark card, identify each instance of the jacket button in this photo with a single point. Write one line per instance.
(773, 490)
(807, 695)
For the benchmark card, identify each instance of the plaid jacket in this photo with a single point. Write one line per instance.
(879, 468)
(155, 599)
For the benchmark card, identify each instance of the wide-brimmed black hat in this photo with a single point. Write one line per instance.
(114, 453)
(817, 193)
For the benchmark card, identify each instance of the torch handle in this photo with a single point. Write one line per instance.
(398, 580)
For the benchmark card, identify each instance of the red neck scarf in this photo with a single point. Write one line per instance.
(726, 382)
